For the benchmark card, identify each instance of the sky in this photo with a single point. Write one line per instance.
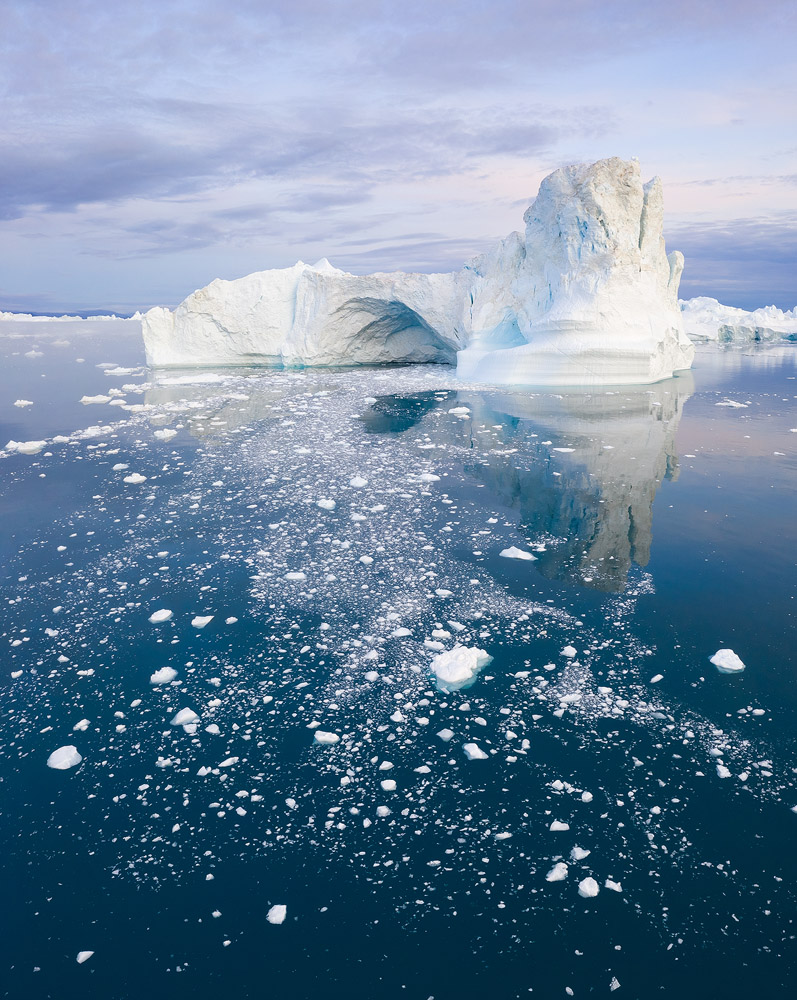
(148, 148)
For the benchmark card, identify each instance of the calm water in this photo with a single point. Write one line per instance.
(662, 522)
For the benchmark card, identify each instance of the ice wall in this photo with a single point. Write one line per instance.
(586, 296)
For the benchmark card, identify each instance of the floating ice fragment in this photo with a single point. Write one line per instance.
(323, 737)
(165, 434)
(25, 447)
(474, 752)
(298, 576)
(578, 854)
(429, 477)
(230, 621)
(135, 478)
(201, 620)
(81, 727)
(446, 735)
(558, 827)
(63, 758)
(388, 785)
(614, 886)
(327, 504)
(588, 888)
(358, 482)
(163, 676)
(515, 553)
(458, 667)
(23, 402)
(86, 400)
(657, 678)
(722, 771)
(727, 662)
(83, 956)
(557, 873)
(277, 913)
(160, 616)
(185, 717)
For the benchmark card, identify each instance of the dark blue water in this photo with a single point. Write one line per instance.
(663, 531)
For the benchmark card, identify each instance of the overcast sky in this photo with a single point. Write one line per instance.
(149, 147)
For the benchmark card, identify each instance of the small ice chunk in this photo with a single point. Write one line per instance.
(160, 616)
(63, 758)
(515, 553)
(557, 873)
(388, 785)
(358, 482)
(578, 854)
(297, 576)
(727, 662)
(201, 620)
(722, 771)
(165, 434)
(323, 737)
(163, 676)
(135, 478)
(325, 504)
(277, 913)
(569, 652)
(83, 956)
(474, 752)
(81, 727)
(457, 667)
(558, 827)
(614, 886)
(588, 887)
(185, 717)
(656, 678)
(21, 403)
(25, 447)
(86, 400)
(445, 735)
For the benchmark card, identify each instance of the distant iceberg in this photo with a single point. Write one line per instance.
(707, 319)
(587, 295)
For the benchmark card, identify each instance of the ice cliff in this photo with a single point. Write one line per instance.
(585, 296)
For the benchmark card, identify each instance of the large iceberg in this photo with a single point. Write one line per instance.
(587, 295)
(707, 319)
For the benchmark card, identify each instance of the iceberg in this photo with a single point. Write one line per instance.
(585, 296)
(706, 319)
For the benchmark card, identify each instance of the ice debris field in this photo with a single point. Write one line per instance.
(304, 666)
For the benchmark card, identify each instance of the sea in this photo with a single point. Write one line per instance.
(375, 683)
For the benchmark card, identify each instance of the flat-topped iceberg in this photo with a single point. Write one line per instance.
(585, 296)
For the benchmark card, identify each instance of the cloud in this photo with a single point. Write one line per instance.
(744, 262)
